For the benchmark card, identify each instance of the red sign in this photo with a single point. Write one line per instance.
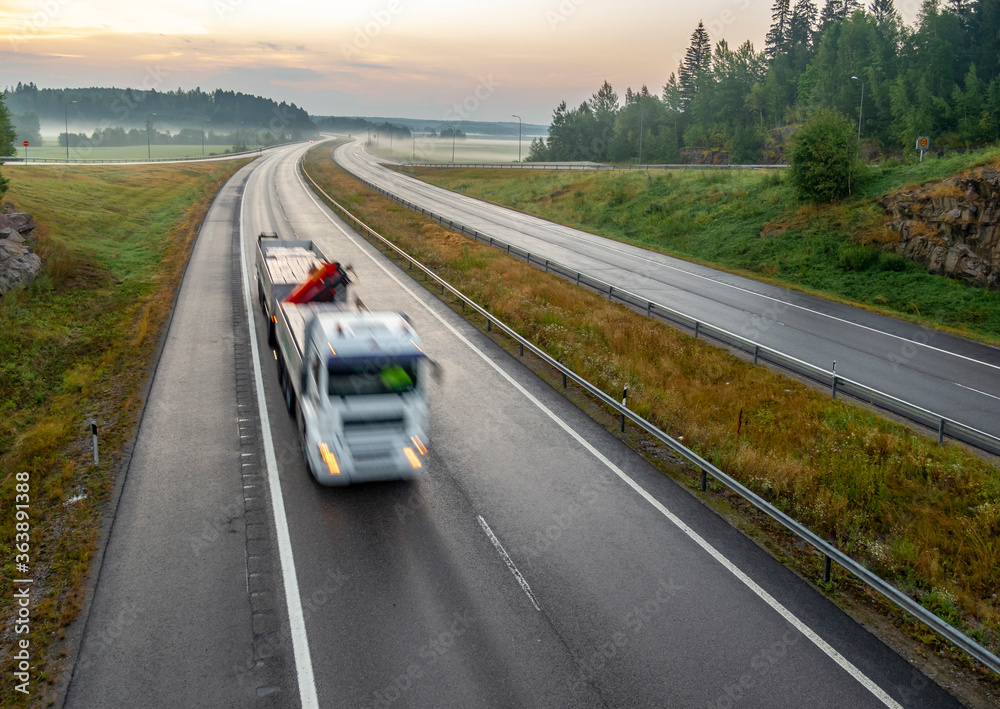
(25, 144)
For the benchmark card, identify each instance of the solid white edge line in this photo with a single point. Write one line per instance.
(293, 601)
(811, 635)
(527, 219)
(523, 582)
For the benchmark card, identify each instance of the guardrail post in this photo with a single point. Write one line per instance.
(697, 326)
(625, 404)
(649, 308)
(827, 568)
(522, 348)
(93, 432)
(578, 278)
(489, 325)
(564, 380)
(941, 433)
(834, 384)
(756, 351)
(508, 249)
(546, 265)
(704, 480)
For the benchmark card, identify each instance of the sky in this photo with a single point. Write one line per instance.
(436, 59)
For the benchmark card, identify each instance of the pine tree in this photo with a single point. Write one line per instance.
(778, 36)
(605, 100)
(697, 62)
(884, 12)
(802, 23)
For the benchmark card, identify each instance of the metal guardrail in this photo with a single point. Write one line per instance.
(831, 553)
(63, 161)
(945, 427)
(586, 166)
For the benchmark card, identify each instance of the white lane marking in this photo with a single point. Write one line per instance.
(992, 396)
(808, 632)
(293, 601)
(510, 562)
(589, 238)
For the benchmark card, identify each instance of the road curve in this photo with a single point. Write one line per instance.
(540, 563)
(951, 376)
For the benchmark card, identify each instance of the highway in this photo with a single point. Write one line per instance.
(951, 376)
(538, 563)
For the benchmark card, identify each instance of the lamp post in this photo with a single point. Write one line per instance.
(414, 136)
(203, 136)
(149, 124)
(861, 109)
(454, 131)
(638, 102)
(518, 136)
(257, 137)
(67, 129)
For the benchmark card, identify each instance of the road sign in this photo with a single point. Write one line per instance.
(25, 144)
(922, 143)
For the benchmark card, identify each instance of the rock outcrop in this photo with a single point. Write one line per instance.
(19, 265)
(952, 227)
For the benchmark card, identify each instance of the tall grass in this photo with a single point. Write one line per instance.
(76, 345)
(749, 222)
(924, 516)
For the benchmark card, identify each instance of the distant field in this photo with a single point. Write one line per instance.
(470, 149)
(126, 152)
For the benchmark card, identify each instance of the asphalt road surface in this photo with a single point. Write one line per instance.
(538, 563)
(953, 377)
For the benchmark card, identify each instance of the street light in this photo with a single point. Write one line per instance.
(518, 136)
(453, 133)
(149, 124)
(67, 129)
(861, 110)
(638, 102)
(203, 136)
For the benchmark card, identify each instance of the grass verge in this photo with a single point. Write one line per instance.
(749, 222)
(75, 346)
(923, 516)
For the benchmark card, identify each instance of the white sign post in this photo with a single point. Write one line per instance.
(922, 143)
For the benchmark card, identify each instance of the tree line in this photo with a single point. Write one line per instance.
(939, 78)
(109, 109)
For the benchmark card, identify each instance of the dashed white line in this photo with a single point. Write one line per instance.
(522, 582)
(992, 396)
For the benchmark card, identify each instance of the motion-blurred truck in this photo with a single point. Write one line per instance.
(354, 379)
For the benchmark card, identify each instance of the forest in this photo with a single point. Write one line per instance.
(939, 78)
(123, 116)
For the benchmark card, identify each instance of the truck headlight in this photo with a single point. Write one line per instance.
(329, 458)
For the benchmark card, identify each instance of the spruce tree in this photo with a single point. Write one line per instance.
(884, 12)
(697, 62)
(778, 36)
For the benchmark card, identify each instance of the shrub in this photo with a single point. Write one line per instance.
(859, 258)
(825, 164)
(893, 262)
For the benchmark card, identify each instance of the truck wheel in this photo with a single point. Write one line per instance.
(271, 339)
(289, 392)
(304, 445)
(260, 296)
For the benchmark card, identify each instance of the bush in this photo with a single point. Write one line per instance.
(859, 258)
(825, 164)
(893, 262)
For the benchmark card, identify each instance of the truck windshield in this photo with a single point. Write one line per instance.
(390, 378)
